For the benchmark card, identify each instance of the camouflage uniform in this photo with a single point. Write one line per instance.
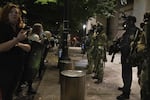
(144, 81)
(99, 54)
(144, 78)
(140, 48)
(89, 48)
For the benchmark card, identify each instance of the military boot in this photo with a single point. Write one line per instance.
(98, 81)
(95, 77)
(123, 96)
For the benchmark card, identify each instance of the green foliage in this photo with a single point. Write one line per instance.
(81, 10)
(102, 7)
(49, 12)
(45, 1)
(106, 8)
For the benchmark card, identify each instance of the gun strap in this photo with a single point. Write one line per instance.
(134, 41)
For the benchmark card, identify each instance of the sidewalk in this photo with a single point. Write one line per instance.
(49, 88)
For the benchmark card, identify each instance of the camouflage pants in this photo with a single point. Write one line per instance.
(144, 83)
(90, 62)
(99, 67)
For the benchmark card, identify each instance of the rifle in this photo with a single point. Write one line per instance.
(134, 55)
(133, 46)
(114, 48)
(113, 56)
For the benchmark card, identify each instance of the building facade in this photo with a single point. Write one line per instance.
(136, 8)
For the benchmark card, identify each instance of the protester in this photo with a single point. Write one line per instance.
(47, 45)
(13, 46)
(36, 33)
(33, 58)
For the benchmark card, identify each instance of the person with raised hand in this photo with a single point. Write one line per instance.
(13, 46)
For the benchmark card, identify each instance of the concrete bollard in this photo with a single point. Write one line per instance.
(73, 85)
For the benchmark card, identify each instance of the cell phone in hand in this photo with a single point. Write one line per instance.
(26, 28)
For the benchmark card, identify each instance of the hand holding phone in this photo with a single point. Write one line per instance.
(26, 28)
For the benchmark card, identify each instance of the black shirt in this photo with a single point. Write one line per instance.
(14, 58)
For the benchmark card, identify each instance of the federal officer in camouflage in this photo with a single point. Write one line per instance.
(99, 52)
(89, 44)
(144, 77)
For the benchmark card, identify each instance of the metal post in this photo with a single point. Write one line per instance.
(64, 54)
(65, 31)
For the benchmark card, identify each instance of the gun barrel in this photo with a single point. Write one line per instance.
(113, 56)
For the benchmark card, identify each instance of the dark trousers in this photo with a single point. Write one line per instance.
(8, 87)
(9, 83)
(126, 72)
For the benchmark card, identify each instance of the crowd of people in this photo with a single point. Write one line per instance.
(23, 51)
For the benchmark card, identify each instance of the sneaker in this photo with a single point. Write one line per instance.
(123, 97)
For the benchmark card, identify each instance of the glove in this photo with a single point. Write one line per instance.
(140, 47)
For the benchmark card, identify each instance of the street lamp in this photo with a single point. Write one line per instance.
(83, 39)
(84, 29)
(84, 26)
